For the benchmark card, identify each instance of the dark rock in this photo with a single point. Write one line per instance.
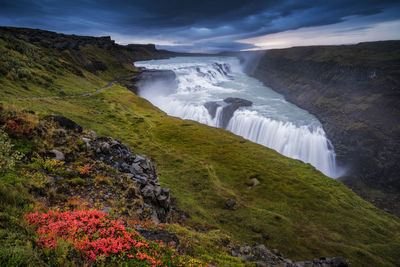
(163, 200)
(223, 68)
(277, 252)
(339, 262)
(166, 237)
(148, 192)
(139, 158)
(230, 203)
(132, 193)
(212, 108)
(105, 148)
(265, 236)
(157, 191)
(124, 167)
(229, 106)
(87, 142)
(65, 123)
(136, 169)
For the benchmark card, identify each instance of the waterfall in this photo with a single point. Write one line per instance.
(310, 146)
(204, 86)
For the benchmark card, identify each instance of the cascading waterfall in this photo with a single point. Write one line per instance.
(286, 138)
(215, 91)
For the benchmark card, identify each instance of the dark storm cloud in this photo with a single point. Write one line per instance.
(185, 23)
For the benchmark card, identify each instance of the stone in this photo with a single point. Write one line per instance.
(132, 193)
(86, 140)
(92, 133)
(229, 106)
(157, 190)
(105, 148)
(166, 237)
(163, 200)
(212, 108)
(136, 169)
(65, 123)
(339, 262)
(148, 192)
(166, 191)
(124, 167)
(277, 252)
(58, 155)
(139, 158)
(288, 261)
(106, 209)
(255, 181)
(230, 203)
(245, 250)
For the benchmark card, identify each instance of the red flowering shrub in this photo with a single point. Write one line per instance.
(20, 125)
(99, 238)
(86, 169)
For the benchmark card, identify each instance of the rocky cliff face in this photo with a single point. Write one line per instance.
(355, 92)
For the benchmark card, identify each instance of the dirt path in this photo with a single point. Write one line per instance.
(77, 95)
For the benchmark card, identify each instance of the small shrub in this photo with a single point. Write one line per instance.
(49, 165)
(20, 126)
(8, 156)
(86, 169)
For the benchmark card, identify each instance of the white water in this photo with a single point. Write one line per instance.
(271, 121)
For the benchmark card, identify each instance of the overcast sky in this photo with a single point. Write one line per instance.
(212, 25)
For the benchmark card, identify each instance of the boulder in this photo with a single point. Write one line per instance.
(229, 106)
(230, 203)
(65, 123)
(58, 155)
(166, 237)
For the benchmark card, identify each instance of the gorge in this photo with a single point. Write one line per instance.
(215, 91)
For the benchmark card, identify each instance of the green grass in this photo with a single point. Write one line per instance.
(305, 213)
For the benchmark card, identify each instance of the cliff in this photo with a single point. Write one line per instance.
(354, 91)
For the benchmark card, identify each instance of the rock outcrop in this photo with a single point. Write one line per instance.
(229, 106)
(133, 180)
(140, 170)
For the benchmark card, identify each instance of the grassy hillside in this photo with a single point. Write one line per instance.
(295, 208)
